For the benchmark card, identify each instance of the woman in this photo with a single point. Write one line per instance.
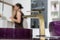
(17, 16)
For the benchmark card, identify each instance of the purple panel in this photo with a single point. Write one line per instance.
(6, 33)
(23, 33)
(10, 33)
(55, 28)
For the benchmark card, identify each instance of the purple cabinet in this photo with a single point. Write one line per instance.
(10, 33)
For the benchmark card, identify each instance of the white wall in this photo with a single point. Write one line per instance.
(26, 7)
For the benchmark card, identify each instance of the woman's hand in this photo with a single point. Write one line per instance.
(12, 19)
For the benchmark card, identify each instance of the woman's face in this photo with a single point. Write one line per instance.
(16, 7)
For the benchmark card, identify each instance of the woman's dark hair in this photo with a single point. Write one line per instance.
(19, 5)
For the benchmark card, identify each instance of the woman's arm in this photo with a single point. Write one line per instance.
(18, 20)
(14, 12)
(0, 15)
